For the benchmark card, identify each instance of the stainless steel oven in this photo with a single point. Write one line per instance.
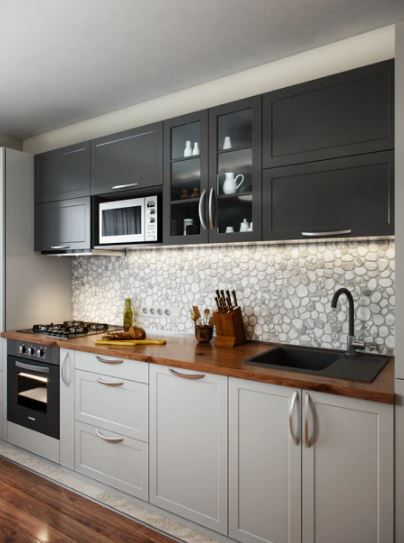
(134, 220)
(33, 387)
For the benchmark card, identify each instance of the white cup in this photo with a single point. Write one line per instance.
(227, 142)
(229, 230)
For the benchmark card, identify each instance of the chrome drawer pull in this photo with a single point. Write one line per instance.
(117, 187)
(104, 361)
(187, 375)
(109, 439)
(60, 246)
(109, 383)
(329, 233)
(295, 438)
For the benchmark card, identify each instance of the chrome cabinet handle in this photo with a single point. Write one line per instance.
(63, 370)
(308, 440)
(192, 376)
(200, 209)
(104, 361)
(328, 233)
(109, 439)
(109, 383)
(60, 246)
(117, 187)
(293, 402)
(210, 209)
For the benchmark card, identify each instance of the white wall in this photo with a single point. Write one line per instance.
(350, 53)
(11, 142)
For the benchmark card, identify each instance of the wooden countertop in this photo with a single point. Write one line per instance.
(185, 352)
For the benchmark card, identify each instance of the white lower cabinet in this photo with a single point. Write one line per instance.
(348, 470)
(111, 458)
(189, 445)
(67, 361)
(264, 463)
(112, 403)
(341, 453)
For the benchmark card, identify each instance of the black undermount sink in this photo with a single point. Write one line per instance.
(326, 363)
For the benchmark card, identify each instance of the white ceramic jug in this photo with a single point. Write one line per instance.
(230, 185)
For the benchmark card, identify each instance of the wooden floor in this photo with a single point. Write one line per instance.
(33, 509)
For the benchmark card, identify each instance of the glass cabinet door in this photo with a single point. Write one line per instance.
(186, 179)
(235, 171)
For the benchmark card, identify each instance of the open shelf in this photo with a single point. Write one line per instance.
(186, 201)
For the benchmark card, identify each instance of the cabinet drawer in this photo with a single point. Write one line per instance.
(114, 366)
(115, 404)
(115, 460)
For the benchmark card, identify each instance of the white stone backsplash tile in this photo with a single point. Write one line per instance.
(285, 290)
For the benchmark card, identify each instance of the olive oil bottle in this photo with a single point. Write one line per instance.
(127, 314)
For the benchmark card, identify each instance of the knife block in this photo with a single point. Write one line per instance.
(230, 330)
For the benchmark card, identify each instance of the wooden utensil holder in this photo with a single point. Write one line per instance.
(230, 330)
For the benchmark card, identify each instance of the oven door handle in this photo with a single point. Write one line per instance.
(31, 367)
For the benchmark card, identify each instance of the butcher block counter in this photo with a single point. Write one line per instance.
(184, 352)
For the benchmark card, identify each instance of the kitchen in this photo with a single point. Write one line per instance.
(200, 299)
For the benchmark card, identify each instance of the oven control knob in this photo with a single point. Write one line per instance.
(40, 352)
(31, 351)
(22, 349)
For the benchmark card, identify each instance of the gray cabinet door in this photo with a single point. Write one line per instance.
(352, 196)
(128, 160)
(63, 173)
(348, 470)
(188, 445)
(344, 114)
(264, 463)
(63, 225)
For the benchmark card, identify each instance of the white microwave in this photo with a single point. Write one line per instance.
(128, 221)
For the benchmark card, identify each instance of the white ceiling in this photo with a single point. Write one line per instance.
(64, 61)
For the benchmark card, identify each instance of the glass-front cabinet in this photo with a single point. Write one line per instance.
(186, 179)
(212, 178)
(235, 171)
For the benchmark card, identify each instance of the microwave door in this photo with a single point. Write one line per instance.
(121, 221)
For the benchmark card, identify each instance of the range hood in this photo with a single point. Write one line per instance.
(85, 252)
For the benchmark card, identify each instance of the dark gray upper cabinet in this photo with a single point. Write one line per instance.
(340, 115)
(344, 197)
(63, 173)
(234, 207)
(186, 179)
(128, 160)
(63, 226)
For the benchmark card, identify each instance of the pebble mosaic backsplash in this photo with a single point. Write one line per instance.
(285, 290)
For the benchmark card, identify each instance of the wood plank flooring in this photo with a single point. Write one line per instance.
(34, 510)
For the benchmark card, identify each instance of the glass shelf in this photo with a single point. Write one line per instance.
(184, 159)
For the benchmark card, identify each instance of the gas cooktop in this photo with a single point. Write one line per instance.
(69, 329)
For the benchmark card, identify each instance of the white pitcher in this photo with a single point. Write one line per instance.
(230, 185)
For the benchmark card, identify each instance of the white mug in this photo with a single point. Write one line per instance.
(230, 185)
(229, 230)
(227, 142)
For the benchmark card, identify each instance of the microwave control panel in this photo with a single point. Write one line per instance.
(150, 220)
